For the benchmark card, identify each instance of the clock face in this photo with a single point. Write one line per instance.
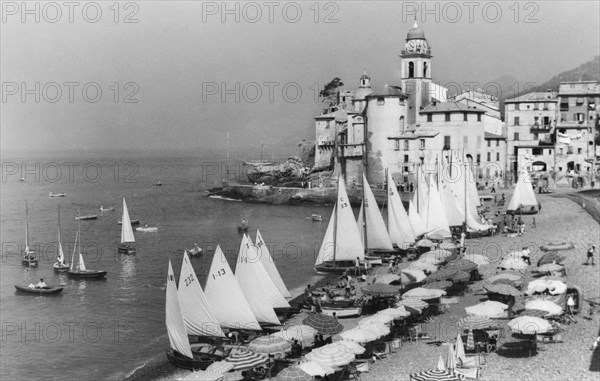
(423, 47)
(411, 46)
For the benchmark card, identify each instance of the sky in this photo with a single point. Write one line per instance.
(177, 76)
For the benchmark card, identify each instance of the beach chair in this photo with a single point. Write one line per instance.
(471, 373)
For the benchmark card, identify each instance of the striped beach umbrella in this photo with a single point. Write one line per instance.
(353, 346)
(324, 324)
(316, 369)
(301, 332)
(269, 345)
(332, 355)
(202, 375)
(293, 373)
(436, 375)
(529, 325)
(380, 289)
(440, 285)
(220, 367)
(470, 340)
(242, 359)
(476, 322)
(502, 289)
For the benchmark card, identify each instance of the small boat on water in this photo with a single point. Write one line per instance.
(157, 184)
(86, 217)
(60, 264)
(80, 271)
(196, 250)
(52, 194)
(127, 245)
(132, 222)
(107, 209)
(316, 217)
(243, 227)
(39, 291)
(28, 258)
(146, 229)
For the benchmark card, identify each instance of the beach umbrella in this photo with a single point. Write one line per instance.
(440, 284)
(548, 268)
(460, 348)
(202, 375)
(451, 358)
(505, 275)
(502, 289)
(269, 345)
(377, 327)
(380, 289)
(443, 274)
(220, 367)
(395, 313)
(324, 324)
(476, 322)
(511, 283)
(489, 308)
(551, 257)
(421, 267)
(360, 335)
(535, 313)
(462, 265)
(293, 373)
(376, 319)
(243, 358)
(388, 278)
(413, 303)
(512, 264)
(555, 287)
(316, 369)
(332, 355)
(544, 305)
(436, 375)
(425, 243)
(479, 259)
(353, 346)
(470, 340)
(529, 325)
(301, 332)
(416, 274)
(423, 293)
(461, 276)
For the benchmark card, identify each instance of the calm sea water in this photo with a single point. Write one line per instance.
(104, 329)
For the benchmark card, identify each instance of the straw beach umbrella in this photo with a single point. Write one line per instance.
(443, 274)
(462, 265)
(293, 373)
(269, 345)
(440, 284)
(324, 324)
(502, 289)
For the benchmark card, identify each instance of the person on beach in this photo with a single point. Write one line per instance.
(493, 188)
(462, 239)
(357, 266)
(590, 255)
(539, 207)
(367, 266)
(570, 304)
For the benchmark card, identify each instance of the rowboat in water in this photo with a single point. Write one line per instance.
(39, 291)
(52, 194)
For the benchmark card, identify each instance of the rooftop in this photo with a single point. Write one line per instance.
(454, 106)
(489, 135)
(388, 91)
(547, 96)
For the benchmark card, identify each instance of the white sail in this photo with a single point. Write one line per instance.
(198, 315)
(433, 213)
(61, 254)
(224, 294)
(81, 264)
(454, 213)
(399, 227)
(348, 245)
(377, 235)
(421, 191)
(27, 250)
(173, 319)
(74, 248)
(126, 228)
(416, 223)
(524, 194)
(269, 265)
(327, 246)
(256, 285)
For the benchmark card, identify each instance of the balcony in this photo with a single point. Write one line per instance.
(537, 128)
(546, 142)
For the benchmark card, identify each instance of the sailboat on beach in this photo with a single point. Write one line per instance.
(341, 245)
(28, 258)
(374, 234)
(60, 264)
(399, 226)
(78, 270)
(269, 265)
(523, 200)
(127, 245)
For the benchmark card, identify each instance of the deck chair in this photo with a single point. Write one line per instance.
(472, 373)
(353, 372)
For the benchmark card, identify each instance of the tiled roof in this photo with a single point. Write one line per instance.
(450, 107)
(547, 96)
(388, 91)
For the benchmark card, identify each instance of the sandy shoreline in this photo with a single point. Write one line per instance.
(562, 219)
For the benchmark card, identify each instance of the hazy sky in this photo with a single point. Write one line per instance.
(186, 63)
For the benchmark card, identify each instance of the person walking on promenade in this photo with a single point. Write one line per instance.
(590, 255)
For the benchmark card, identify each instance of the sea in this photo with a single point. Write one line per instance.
(106, 329)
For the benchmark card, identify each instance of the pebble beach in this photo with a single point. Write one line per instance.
(562, 219)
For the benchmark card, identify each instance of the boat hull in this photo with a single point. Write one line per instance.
(557, 246)
(89, 274)
(342, 312)
(127, 248)
(29, 262)
(334, 267)
(86, 218)
(200, 361)
(39, 291)
(60, 268)
(133, 222)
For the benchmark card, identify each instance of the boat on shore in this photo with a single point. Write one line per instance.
(79, 270)
(28, 258)
(243, 227)
(342, 243)
(60, 264)
(39, 291)
(157, 184)
(127, 244)
(523, 200)
(341, 310)
(52, 194)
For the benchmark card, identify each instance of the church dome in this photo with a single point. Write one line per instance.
(415, 33)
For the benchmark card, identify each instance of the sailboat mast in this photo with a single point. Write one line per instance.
(365, 214)
(337, 209)
(262, 146)
(228, 146)
(417, 188)
(74, 248)
(465, 227)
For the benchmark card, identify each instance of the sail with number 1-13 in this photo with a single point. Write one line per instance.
(225, 295)
(341, 245)
(198, 315)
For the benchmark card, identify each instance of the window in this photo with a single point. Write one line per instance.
(497, 156)
(380, 101)
(537, 151)
(401, 124)
(497, 143)
(545, 106)
(447, 117)
(549, 152)
(479, 117)
(479, 158)
(528, 107)
(564, 105)
(560, 152)
(579, 101)
(421, 143)
(517, 106)
(569, 150)
(446, 142)
(411, 69)
(406, 145)
(406, 158)
(430, 117)
(516, 136)
(535, 136)
(579, 151)
(465, 117)
(396, 145)
(516, 121)
(535, 106)
(489, 156)
(424, 69)
(489, 143)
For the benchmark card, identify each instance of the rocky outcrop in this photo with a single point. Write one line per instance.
(291, 173)
(306, 153)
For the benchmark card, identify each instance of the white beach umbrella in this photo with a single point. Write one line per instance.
(316, 369)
